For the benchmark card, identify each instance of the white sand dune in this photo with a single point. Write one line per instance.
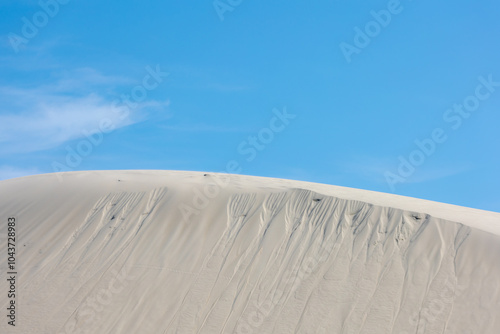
(184, 252)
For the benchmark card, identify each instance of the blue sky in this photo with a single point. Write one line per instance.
(334, 92)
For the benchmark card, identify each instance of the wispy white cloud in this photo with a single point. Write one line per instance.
(51, 123)
(204, 128)
(32, 56)
(428, 174)
(374, 168)
(226, 88)
(83, 78)
(367, 168)
(34, 119)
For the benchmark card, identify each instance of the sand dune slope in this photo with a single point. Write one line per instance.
(184, 252)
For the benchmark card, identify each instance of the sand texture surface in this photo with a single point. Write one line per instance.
(188, 252)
